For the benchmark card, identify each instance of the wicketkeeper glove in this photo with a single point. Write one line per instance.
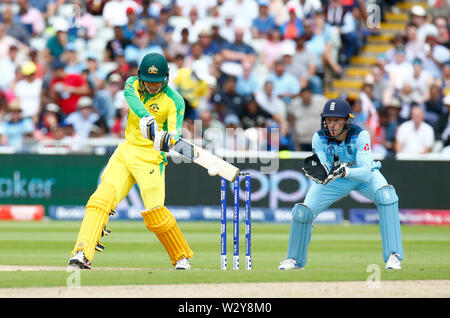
(314, 169)
(149, 127)
(339, 170)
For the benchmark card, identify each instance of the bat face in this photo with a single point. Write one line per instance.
(206, 159)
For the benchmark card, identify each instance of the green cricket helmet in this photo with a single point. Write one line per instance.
(154, 69)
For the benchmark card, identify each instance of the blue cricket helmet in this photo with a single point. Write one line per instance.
(339, 108)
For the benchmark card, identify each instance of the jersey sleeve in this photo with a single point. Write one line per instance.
(131, 94)
(361, 172)
(319, 149)
(175, 117)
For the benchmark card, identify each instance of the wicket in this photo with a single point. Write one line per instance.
(223, 222)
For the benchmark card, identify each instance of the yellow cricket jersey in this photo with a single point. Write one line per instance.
(167, 107)
(190, 88)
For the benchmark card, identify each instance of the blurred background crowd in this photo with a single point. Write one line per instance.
(240, 64)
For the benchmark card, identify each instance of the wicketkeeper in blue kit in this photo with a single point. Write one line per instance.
(341, 162)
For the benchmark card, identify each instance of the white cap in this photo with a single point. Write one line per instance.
(418, 10)
(447, 99)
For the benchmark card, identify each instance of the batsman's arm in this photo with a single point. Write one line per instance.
(175, 116)
(361, 171)
(131, 94)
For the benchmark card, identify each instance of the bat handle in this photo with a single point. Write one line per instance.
(336, 160)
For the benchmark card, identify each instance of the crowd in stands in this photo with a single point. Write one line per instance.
(240, 64)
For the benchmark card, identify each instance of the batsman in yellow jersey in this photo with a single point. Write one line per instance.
(154, 124)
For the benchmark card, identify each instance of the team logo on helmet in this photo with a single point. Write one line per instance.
(152, 70)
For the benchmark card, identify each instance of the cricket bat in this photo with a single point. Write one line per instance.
(206, 159)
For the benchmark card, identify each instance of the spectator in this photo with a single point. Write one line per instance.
(393, 110)
(444, 81)
(304, 8)
(83, 118)
(28, 91)
(304, 67)
(399, 70)
(156, 41)
(235, 139)
(443, 36)
(17, 128)
(413, 45)
(13, 28)
(55, 44)
(434, 106)
(325, 43)
(278, 10)
(192, 84)
(435, 55)
(196, 56)
(216, 36)
(120, 122)
(380, 144)
(140, 46)
(70, 59)
(241, 11)
(209, 47)
(414, 136)
(442, 129)
(286, 85)
(84, 26)
(252, 115)
(238, 50)
(165, 29)
(230, 98)
(49, 121)
(379, 84)
(104, 98)
(269, 101)
(3, 106)
(66, 89)
(8, 67)
(132, 26)
(350, 36)
(273, 47)
(48, 8)
(99, 129)
(293, 28)
(420, 82)
(31, 18)
(264, 22)
(117, 44)
(114, 12)
(304, 114)
(179, 48)
(419, 18)
(248, 82)
(6, 41)
(192, 23)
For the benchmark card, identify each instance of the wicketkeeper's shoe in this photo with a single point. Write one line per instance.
(78, 260)
(289, 264)
(183, 264)
(393, 262)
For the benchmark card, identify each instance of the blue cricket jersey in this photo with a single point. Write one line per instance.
(354, 150)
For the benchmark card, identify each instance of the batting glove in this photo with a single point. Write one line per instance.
(163, 141)
(149, 127)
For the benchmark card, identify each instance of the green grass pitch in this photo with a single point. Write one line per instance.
(336, 253)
